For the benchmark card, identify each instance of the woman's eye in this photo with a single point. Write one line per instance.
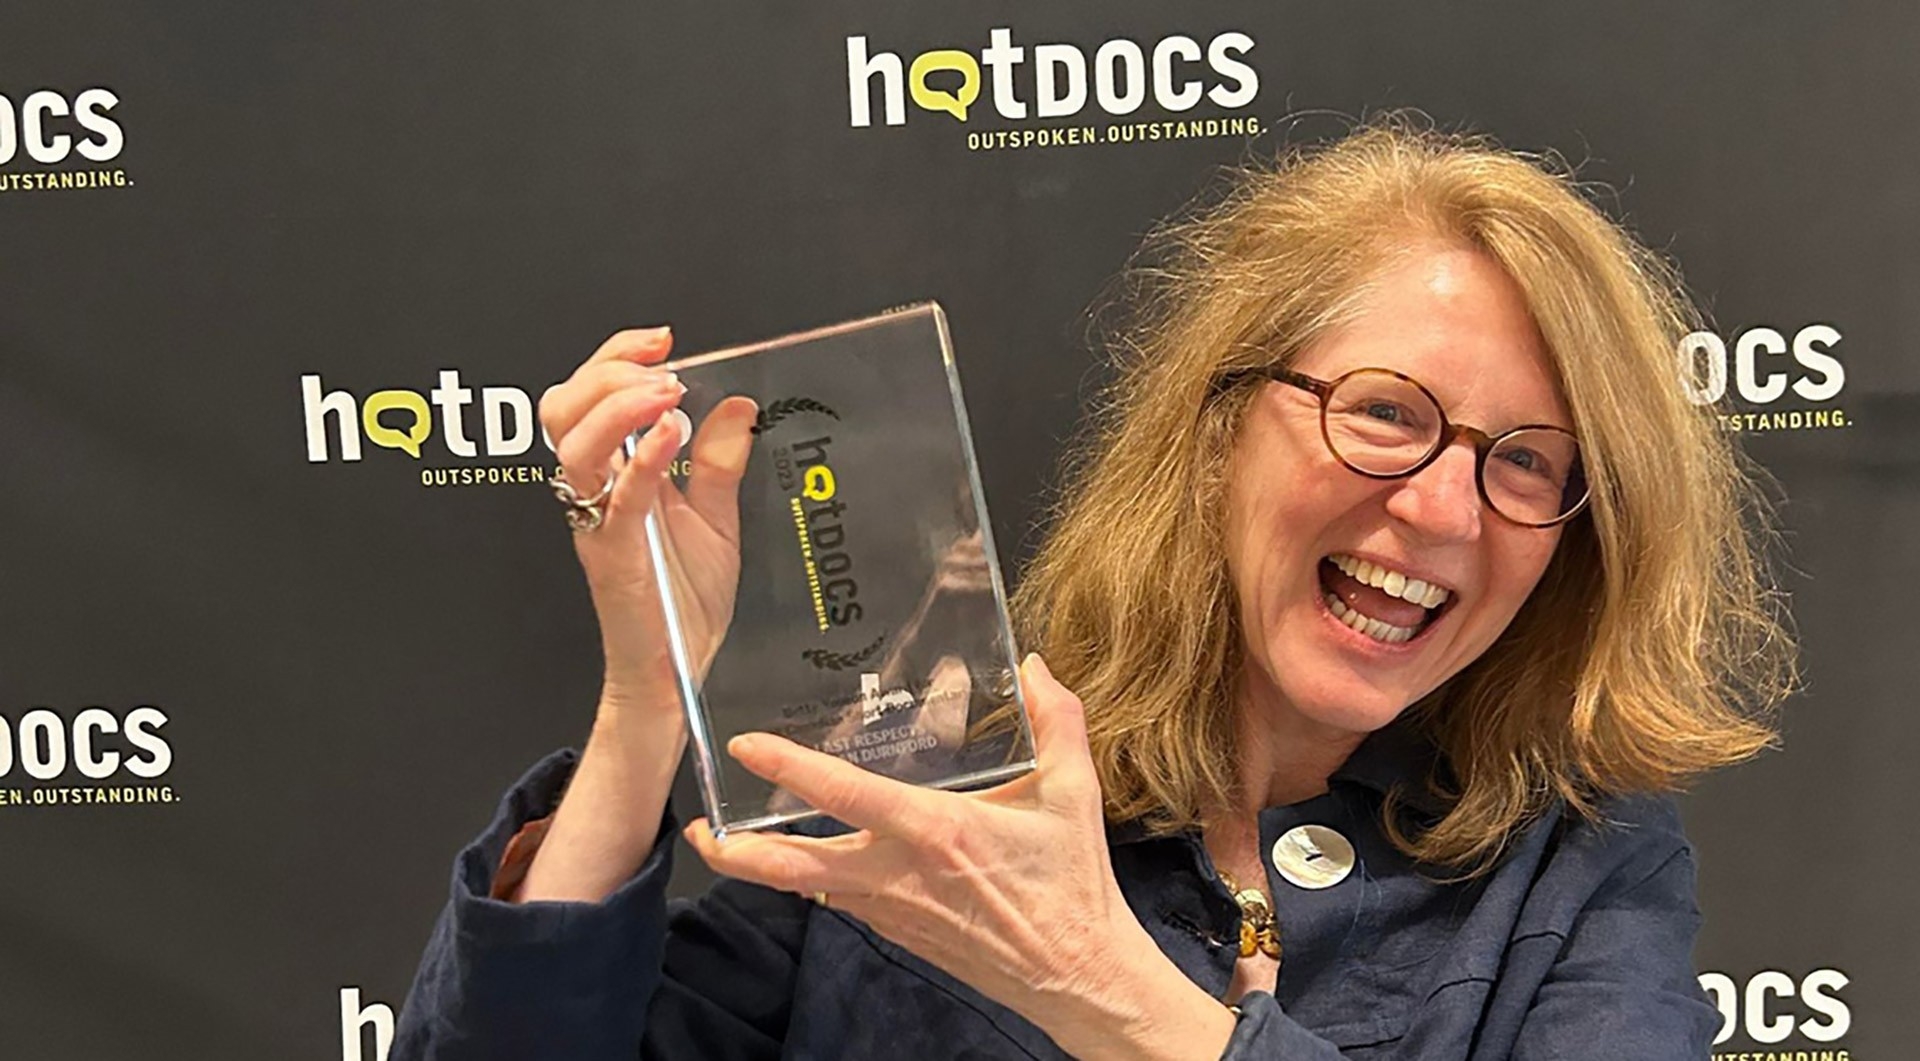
(1385, 411)
(1526, 460)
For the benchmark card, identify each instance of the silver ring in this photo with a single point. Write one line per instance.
(583, 513)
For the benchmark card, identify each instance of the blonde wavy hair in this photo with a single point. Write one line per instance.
(1653, 648)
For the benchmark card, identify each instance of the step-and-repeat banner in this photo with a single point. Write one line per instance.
(288, 602)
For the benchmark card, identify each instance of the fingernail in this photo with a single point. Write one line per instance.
(660, 330)
(742, 745)
(680, 424)
(1039, 665)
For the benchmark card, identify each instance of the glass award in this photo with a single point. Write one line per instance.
(870, 620)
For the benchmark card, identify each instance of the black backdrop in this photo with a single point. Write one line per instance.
(342, 666)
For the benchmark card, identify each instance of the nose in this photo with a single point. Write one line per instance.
(1441, 502)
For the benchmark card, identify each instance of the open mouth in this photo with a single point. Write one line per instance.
(1386, 605)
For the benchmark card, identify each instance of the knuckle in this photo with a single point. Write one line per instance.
(773, 869)
(712, 469)
(946, 835)
(636, 400)
(785, 871)
(572, 454)
(620, 373)
(550, 409)
(839, 790)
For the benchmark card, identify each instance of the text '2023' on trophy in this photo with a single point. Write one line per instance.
(871, 622)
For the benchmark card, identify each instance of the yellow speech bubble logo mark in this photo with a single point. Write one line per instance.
(819, 485)
(381, 435)
(934, 99)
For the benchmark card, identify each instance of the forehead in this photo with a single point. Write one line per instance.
(1451, 318)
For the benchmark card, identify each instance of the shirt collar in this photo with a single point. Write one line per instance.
(1397, 757)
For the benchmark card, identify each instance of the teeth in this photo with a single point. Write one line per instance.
(1373, 628)
(1391, 582)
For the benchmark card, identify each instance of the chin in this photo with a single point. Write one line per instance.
(1365, 711)
(1329, 694)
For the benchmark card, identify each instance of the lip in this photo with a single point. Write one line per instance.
(1361, 641)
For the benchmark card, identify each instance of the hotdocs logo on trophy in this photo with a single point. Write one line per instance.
(804, 473)
(97, 756)
(1061, 94)
(1768, 379)
(1786, 1018)
(52, 140)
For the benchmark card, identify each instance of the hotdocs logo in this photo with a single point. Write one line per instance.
(804, 470)
(1789, 1019)
(1121, 91)
(53, 141)
(1767, 379)
(482, 430)
(96, 756)
(366, 1029)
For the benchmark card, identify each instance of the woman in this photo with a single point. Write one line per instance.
(1397, 577)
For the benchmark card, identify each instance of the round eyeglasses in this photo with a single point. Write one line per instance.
(1384, 425)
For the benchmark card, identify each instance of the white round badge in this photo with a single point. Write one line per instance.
(1313, 857)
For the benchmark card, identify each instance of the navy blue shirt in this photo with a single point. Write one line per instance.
(1578, 945)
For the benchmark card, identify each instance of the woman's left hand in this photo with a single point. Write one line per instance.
(1008, 889)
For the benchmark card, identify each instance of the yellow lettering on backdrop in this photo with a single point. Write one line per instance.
(381, 435)
(934, 99)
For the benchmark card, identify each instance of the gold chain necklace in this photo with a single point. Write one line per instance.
(1258, 929)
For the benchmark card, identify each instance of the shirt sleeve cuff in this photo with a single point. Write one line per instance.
(491, 868)
(1266, 1031)
(539, 979)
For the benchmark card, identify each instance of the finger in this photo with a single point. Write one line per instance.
(587, 451)
(861, 798)
(1059, 724)
(720, 452)
(636, 484)
(563, 404)
(804, 865)
(643, 346)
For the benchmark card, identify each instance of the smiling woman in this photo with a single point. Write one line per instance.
(1394, 582)
(1630, 647)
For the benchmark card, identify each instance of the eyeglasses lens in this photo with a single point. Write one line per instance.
(1534, 476)
(1381, 424)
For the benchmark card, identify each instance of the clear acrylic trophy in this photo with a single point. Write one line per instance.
(870, 622)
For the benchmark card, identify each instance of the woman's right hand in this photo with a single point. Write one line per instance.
(610, 816)
(617, 391)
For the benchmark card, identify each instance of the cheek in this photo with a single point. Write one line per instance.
(1522, 560)
(1250, 514)
(1239, 532)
